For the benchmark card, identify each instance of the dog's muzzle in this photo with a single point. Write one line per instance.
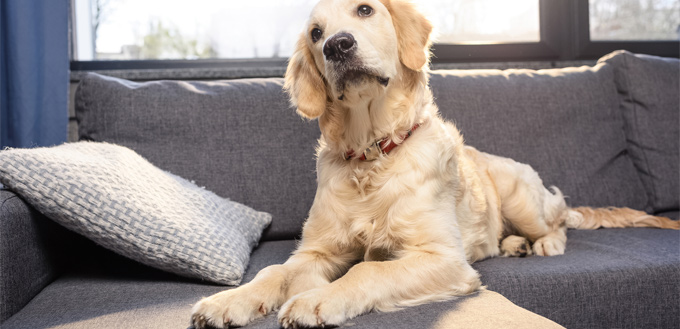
(340, 51)
(339, 47)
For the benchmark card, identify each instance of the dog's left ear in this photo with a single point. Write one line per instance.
(303, 82)
(413, 33)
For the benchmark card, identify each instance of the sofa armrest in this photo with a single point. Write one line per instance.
(31, 254)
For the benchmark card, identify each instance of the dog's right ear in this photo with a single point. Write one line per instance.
(303, 82)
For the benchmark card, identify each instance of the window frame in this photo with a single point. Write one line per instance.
(564, 36)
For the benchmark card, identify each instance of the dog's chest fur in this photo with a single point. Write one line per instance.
(373, 226)
(413, 196)
(366, 207)
(382, 203)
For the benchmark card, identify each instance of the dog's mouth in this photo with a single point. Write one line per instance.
(356, 76)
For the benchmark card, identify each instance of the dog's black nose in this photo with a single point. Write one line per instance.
(339, 46)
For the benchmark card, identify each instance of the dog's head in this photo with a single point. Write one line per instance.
(352, 48)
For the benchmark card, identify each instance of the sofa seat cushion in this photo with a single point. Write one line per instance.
(565, 123)
(608, 278)
(141, 297)
(624, 278)
(650, 102)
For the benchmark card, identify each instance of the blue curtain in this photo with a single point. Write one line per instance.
(34, 72)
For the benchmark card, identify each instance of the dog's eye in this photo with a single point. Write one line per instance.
(316, 35)
(365, 11)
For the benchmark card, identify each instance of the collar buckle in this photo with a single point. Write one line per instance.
(374, 151)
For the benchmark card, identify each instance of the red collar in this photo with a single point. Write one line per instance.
(381, 146)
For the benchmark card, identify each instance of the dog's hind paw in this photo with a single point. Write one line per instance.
(548, 246)
(515, 246)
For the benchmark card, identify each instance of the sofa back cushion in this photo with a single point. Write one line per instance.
(565, 123)
(237, 138)
(241, 140)
(650, 102)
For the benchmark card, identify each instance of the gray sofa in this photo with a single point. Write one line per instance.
(606, 135)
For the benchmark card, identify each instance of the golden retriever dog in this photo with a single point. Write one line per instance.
(402, 206)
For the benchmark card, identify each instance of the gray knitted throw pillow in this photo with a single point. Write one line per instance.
(116, 198)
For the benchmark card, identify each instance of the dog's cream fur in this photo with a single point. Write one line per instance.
(403, 229)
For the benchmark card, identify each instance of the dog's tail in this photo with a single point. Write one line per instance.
(586, 218)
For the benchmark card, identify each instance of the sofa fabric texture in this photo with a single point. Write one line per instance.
(237, 138)
(32, 252)
(241, 140)
(644, 83)
(158, 118)
(113, 196)
(547, 119)
(618, 278)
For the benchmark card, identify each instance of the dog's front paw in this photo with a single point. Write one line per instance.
(313, 309)
(236, 307)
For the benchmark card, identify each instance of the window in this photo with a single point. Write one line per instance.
(634, 20)
(163, 29)
(640, 26)
(483, 21)
(117, 34)
(173, 29)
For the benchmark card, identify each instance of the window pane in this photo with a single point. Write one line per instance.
(483, 21)
(174, 29)
(632, 20)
